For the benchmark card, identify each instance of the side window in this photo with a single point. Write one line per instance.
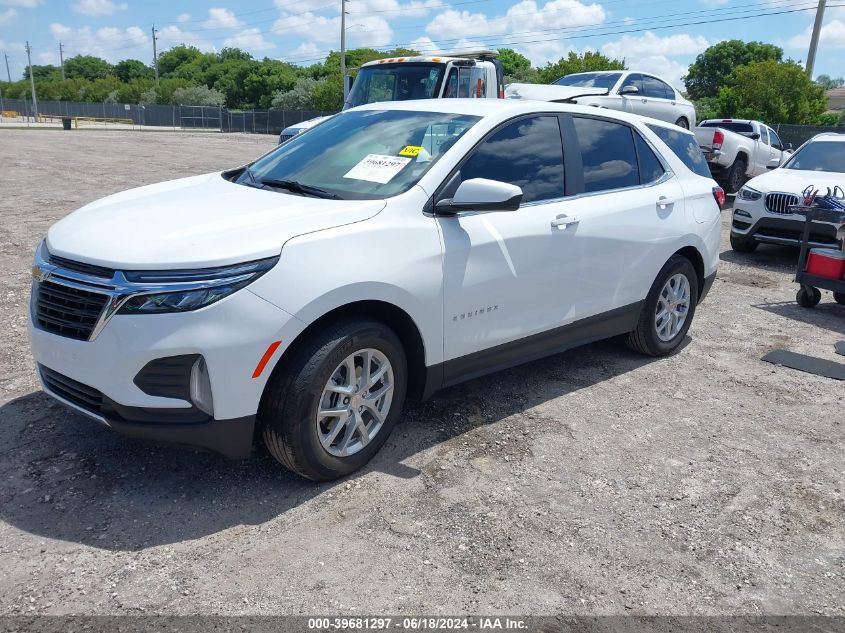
(764, 134)
(685, 147)
(608, 154)
(527, 153)
(668, 91)
(650, 167)
(463, 82)
(478, 88)
(775, 139)
(652, 88)
(451, 89)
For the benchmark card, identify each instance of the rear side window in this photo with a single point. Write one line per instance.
(527, 153)
(608, 154)
(685, 147)
(650, 167)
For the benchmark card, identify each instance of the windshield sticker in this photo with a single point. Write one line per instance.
(377, 168)
(410, 150)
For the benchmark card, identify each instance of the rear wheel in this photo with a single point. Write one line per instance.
(668, 310)
(736, 175)
(682, 122)
(332, 408)
(743, 244)
(839, 297)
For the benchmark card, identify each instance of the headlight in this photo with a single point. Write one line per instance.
(186, 290)
(747, 193)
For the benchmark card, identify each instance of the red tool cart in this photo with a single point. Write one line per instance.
(819, 267)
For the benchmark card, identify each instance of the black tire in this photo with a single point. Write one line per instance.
(839, 297)
(682, 122)
(743, 244)
(808, 297)
(736, 176)
(644, 338)
(288, 411)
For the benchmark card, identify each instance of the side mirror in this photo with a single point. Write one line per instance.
(630, 89)
(787, 147)
(481, 194)
(755, 136)
(774, 163)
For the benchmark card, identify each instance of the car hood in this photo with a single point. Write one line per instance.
(796, 180)
(195, 222)
(540, 92)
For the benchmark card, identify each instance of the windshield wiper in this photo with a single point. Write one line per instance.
(298, 187)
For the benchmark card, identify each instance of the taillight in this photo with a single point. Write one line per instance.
(718, 139)
(501, 92)
(719, 196)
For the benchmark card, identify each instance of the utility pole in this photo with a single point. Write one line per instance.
(8, 74)
(155, 53)
(32, 80)
(343, 46)
(814, 40)
(62, 60)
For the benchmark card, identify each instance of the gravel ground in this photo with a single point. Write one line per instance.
(593, 482)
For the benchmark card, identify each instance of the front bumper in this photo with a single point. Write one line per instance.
(97, 377)
(755, 222)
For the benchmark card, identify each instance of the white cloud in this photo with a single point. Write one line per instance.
(307, 51)
(520, 19)
(183, 17)
(362, 30)
(25, 4)
(648, 45)
(172, 35)
(832, 36)
(110, 43)
(302, 6)
(250, 39)
(98, 7)
(8, 16)
(221, 18)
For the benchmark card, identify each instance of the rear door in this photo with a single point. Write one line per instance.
(631, 213)
(658, 103)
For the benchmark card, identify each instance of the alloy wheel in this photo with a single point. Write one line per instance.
(355, 402)
(672, 307)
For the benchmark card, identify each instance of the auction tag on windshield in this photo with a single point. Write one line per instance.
(410, 150)
(377, 168)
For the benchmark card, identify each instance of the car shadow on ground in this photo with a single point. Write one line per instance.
(767, 256)
(828, 314)
(63, 476)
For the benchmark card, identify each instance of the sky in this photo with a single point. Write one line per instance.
(657, 36)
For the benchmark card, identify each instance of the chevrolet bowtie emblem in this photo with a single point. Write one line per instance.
(39, 274)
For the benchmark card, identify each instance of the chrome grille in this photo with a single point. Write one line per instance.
(67, 311)
(780, 202)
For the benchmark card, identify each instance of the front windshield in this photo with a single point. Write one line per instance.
(395, 82)
(819, 156)
(590, 80)
(368, 154)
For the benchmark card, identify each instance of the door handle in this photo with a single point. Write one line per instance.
(665, 201)
(564, 221)
(645, 100)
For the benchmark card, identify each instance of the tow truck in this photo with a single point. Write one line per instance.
(474, 74)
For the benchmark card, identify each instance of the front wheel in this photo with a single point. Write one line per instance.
(839, 297)
(330, 410)
(808, 297)
(668, 310)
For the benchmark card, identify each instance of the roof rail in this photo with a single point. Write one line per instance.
(479, 53)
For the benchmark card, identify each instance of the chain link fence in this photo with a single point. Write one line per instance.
(799, 134)
(176, 117)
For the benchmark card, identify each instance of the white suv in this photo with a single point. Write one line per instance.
(392, 250)
(761, 209)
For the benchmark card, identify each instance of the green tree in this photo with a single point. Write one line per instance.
(575, 63)
(774, 92)
(328, 94)
(712, 68)
(825, 81)
(172, 59)
(130, 69)
(198, 96)
(299, 97)
(516, 66)
(43, 72)
(88, 67)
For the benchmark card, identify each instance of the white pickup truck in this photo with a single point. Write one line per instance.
(738, 149)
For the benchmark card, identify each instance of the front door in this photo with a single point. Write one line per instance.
(510, 274)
